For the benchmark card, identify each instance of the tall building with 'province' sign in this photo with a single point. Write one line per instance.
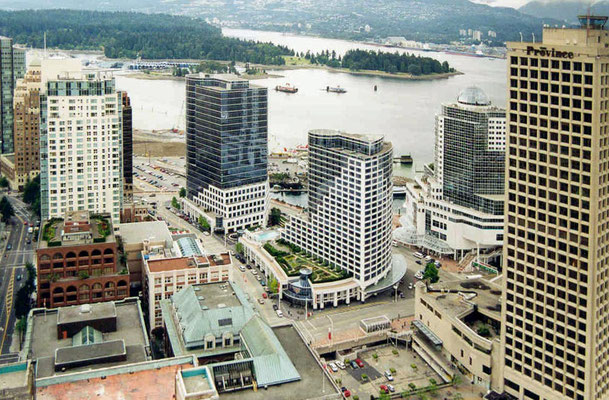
(555, 304)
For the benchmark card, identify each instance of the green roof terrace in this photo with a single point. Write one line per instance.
(77, 228)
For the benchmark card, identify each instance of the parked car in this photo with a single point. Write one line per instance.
(263, 283)
(389, 376)
(279, 313)
(346, 393)
(359, 362)
(241, 268)
(19, 277)
(333, 367)
(438, 264)
(259, 278)
(275, 308)
(384, 388)
(261, 301)
(9, 246)
(254, 272)
(419, 262)
(340, 364)
(418, 275)
(410, 286)
(354, 365)
(391, 388)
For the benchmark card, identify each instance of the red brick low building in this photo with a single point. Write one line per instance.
(79, 262)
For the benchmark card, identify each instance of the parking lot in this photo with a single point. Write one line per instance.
(408, 367)
(158, 174)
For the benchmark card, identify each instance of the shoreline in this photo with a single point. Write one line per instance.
(160, 77)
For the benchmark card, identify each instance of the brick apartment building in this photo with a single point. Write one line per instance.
(79, 262)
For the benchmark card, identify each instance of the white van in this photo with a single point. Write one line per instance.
(417, 255)
(279, 313)
(428, 258)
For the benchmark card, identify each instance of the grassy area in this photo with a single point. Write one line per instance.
(293, 60)
(292, 259)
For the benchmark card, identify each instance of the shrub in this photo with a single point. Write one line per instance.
(356, 397)
(395, 352)
(83, 275)
(432, 381)
(392, 370)
(375, 356)
(413, 366)
(364, 377)
(412, 386)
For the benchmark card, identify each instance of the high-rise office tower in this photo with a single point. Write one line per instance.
(127, 144)
(226, 149)
(457, 205)
(81, 152)
(555, 306)
(12, 67)
(350, 198)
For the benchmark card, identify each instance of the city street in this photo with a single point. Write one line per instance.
(12, 274)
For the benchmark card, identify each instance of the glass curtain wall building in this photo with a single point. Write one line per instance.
(473, 163)
(227, 149)
(12, 67)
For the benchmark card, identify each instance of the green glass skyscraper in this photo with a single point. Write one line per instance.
(12, 67)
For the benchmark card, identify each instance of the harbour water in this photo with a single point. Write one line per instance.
(402, 110)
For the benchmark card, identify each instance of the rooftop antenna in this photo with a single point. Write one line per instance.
(521, 38)
(533, 33)
(45, 45)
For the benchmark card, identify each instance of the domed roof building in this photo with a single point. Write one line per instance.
(473, 96)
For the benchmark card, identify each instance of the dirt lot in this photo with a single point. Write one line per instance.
(159, 149)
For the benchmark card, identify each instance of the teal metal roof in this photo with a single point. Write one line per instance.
(272, 365)
(189, 247)
(196, 323)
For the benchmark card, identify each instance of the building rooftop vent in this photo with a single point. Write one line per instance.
(85, 308)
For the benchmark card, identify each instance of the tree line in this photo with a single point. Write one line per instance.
(132, 35)
(357, 60)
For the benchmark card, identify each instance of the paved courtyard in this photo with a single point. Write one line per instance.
(402, 363)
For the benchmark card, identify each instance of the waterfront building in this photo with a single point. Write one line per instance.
(78, 261)
(226, 150)
(127, 145)
(12, 68)
(81, 155)
(348, 223)
(555, 304)
(456, 205)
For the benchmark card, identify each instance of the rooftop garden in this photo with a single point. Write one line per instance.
(292, 259)
(104, 228)
(50, 231)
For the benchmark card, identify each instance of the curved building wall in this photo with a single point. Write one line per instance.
(350, 204)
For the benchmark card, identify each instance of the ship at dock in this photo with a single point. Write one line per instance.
(404, 159)
(286, 89)
(337, 89)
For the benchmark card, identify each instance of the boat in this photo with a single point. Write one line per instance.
(404, 159)
(336, 89)
(399, 191)
(286, 89)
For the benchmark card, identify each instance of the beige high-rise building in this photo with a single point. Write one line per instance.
(555, 305)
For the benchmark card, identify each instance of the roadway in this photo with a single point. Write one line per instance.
(13, 275)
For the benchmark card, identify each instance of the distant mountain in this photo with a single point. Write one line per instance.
(564, 10)
(436, 21)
